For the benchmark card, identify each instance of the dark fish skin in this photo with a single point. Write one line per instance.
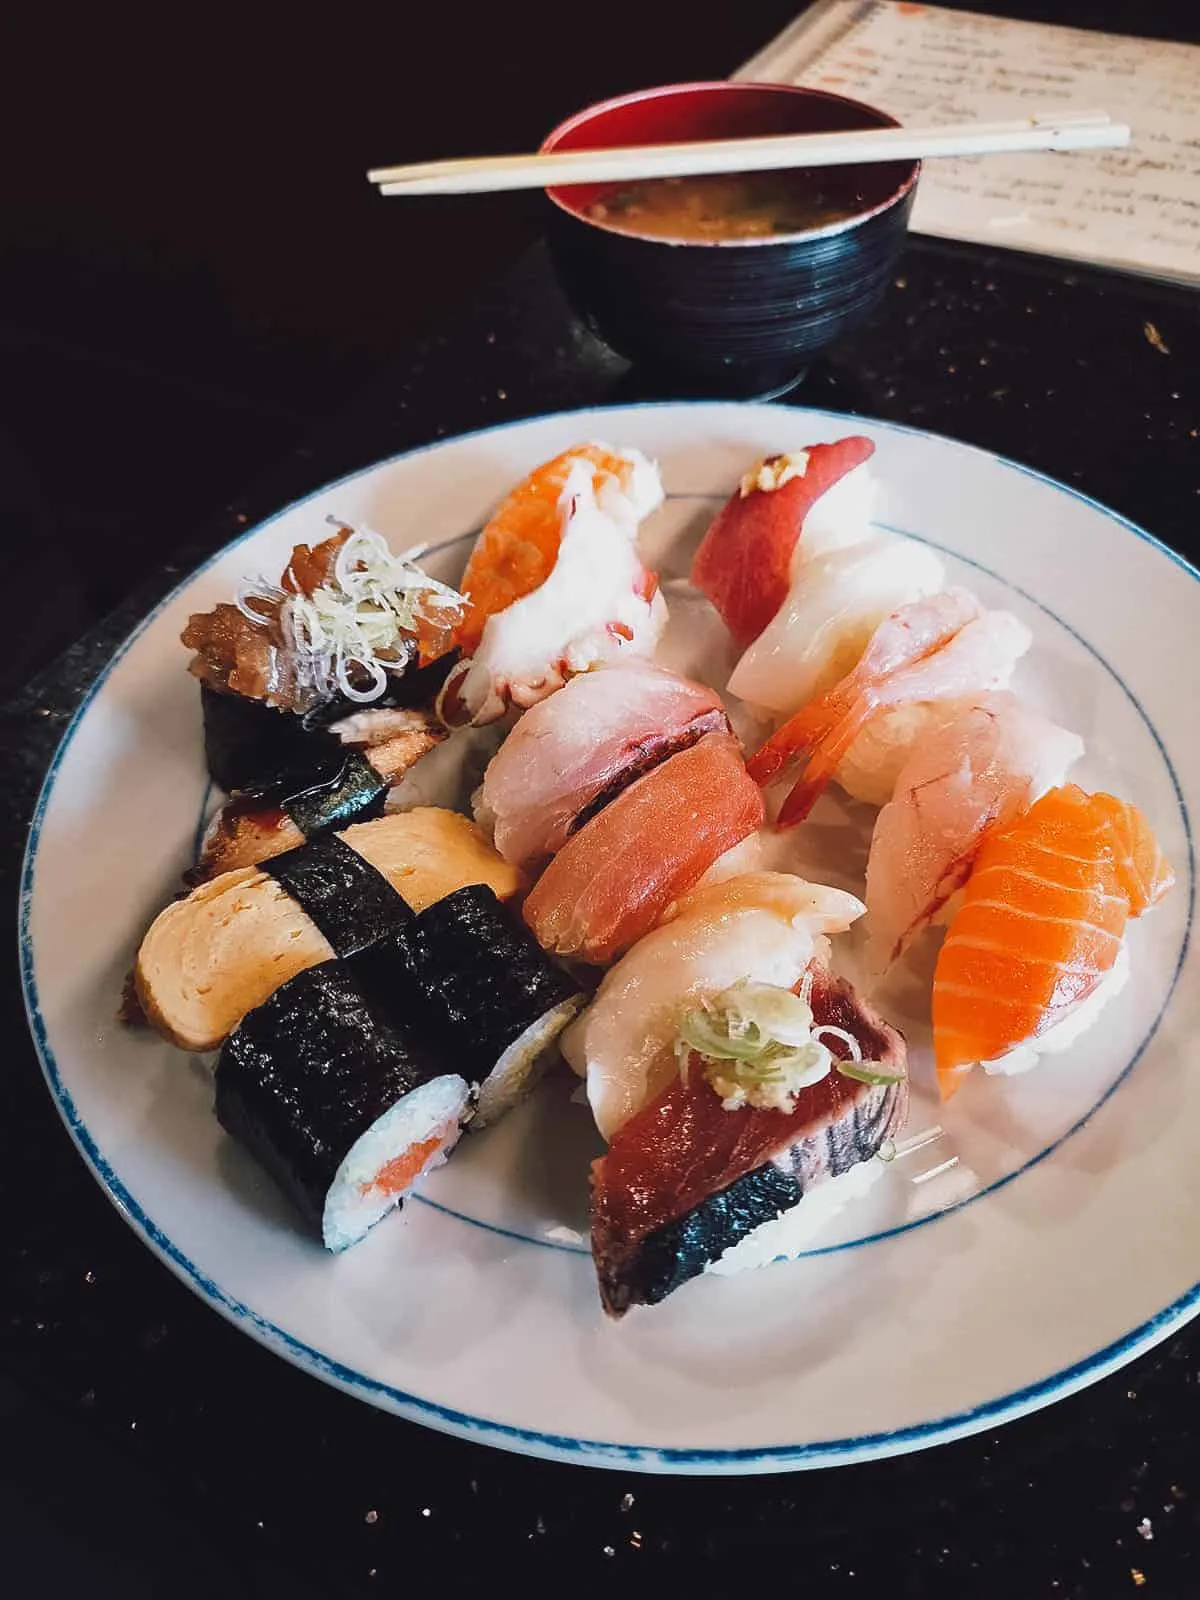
(482, 976)
(309, 1071)
(648, 754)
(637, 1266)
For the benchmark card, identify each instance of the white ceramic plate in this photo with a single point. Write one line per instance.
(1064, 1241)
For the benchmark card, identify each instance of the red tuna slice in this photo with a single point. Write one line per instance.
(684, 1180)
(612, 880)
(744, 561)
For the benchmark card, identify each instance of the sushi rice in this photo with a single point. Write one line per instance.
(363, 1190)
(788, 1234)
(522, 1064)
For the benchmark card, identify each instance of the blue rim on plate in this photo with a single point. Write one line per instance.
(483, 1430)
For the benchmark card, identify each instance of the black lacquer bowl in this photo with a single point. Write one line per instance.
(730, 316)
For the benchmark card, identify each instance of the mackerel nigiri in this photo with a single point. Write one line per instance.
(571, 753)
(1040, 929)
(612, 880)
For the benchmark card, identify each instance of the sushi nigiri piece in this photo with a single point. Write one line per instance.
(977, 773)
(744, 563)
(612, 880)
(572, 753)
(701, 1179)
(835, 603)
(976, 656)
(597, 603)
(214, 955)
(347, 619)
(1040, 928)
(344, 1106)
(517, 550)
(766, 926)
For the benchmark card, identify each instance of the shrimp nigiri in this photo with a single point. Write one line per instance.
(977, 773)
(961, 659)
(1041, 926)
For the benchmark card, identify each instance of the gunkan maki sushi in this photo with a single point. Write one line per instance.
(344, 1106)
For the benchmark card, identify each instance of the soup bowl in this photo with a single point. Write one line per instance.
(731, 315)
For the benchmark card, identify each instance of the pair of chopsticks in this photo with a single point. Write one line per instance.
(1062, 130)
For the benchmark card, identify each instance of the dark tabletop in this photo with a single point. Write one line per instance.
(203, 314)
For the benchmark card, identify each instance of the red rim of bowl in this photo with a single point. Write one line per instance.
(721, 85)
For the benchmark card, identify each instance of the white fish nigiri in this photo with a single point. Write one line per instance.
(602, 729)
(836, 601)
(980, 771)
(763, 925)
(598, 604)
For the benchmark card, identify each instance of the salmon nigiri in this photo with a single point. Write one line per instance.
(613, 879)
(1041, 927)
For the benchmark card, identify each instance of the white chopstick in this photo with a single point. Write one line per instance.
(1063, 130)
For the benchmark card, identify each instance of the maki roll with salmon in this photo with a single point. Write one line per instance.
(493, 1000)
(344, 1106)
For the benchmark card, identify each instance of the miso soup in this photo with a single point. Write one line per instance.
(735, 205)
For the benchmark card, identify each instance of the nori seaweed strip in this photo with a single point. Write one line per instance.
(249, 745)
(357, 794)
(309, 1071)
(482, 975)
(647, 1271)
(351, 902)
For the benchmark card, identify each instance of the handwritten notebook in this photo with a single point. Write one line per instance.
(1137, 208)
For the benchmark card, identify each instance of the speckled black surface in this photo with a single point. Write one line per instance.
(149, 1448)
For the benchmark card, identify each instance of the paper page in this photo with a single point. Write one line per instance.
(1137, 208)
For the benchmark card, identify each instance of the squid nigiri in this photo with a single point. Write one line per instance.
(835, 603)
(961, 781)
(956, 658)
(595, 603)
(1040, 930)
(745, 559)
(613, 879)
(764, 925)
(573, 752)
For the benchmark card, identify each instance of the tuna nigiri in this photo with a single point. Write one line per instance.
(573, 752)
(612, 880)
(1041, 926)
(698, 1180)
(594, 604)
(744, 562)
(835, 603)
(762, 925)
(980, 655)
(977, 773)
